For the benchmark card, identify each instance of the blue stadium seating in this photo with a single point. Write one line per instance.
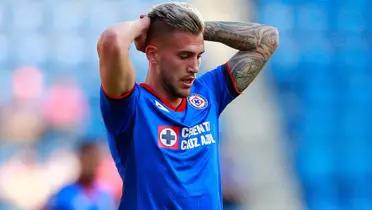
(324, 64)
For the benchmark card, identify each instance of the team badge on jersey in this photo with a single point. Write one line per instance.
(168, 137)
(197, 101)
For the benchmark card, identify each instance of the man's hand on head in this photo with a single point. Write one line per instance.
(140, 41)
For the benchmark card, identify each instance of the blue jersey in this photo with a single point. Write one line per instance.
(76, 197)
(169, 156)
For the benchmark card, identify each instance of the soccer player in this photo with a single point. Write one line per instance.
(84, 193)
(164, 133)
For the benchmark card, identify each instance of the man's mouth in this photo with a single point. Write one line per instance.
(188, 81)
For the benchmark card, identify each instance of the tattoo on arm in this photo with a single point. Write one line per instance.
(256, 43)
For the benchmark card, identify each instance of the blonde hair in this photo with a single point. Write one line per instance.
(178, 16)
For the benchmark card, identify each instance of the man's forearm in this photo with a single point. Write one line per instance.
(124, 32)
(242, 36)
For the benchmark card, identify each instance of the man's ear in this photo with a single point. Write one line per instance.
(152, 53)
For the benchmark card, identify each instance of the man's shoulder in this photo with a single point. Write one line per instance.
(208, 75)
(206, 80)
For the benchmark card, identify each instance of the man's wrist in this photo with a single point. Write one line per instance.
(208, 33)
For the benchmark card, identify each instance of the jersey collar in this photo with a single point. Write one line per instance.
(180, 108)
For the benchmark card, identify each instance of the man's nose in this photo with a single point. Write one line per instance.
(194, 66)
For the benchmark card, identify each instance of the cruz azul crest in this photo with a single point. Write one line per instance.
(197, 101)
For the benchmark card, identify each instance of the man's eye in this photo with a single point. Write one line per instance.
(183, 56)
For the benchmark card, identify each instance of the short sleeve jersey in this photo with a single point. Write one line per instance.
(168, 156)
(76, 197)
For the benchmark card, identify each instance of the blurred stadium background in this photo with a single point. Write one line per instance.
(299, 138)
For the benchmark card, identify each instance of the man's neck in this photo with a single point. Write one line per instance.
(162, 91)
